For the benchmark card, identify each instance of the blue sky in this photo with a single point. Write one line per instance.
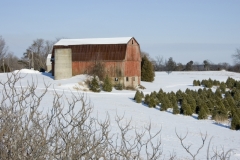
(185, 30)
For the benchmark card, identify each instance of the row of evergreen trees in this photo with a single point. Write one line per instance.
(230, 83)
(203, 102)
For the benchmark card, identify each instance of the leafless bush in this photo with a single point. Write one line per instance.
(216, 153)
(67, 130)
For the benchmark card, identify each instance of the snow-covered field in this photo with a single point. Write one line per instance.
(121, 103)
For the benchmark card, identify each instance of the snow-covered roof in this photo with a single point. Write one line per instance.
(66, 42)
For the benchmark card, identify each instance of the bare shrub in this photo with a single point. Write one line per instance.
(216, 153)
(67, 130)
(98, 69)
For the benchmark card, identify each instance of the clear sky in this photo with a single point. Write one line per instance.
(183, 29)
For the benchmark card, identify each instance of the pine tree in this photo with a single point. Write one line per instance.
(202, 113)
(230, 82)
(147, 99)
(107, 86)
(185, 108)
(94, 86)
(222, 87)
(236, 96)
(195, 83)
(147, 72)
(192, 103)
(176, 109)
(151, 103)
(138, 97)
(170, 65)
(218, 93)
(235, 124)
(199, 83)
(219, 112)
(164, 105)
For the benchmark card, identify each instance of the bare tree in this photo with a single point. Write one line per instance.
(3, 52)
(37, 53)
(159, 63)
(3, 48)
(236, 56)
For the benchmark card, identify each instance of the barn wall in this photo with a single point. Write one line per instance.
(132, 64)
(113, 69)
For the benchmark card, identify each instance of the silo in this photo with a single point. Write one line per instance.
(63, 63)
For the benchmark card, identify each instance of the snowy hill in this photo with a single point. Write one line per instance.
(121, 103)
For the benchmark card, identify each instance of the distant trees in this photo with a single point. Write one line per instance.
(147, 72)
(36, 54)
(159, 63)
(189, 66)
(8, 61)
(170, 65)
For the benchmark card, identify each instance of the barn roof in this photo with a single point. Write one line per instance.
(119, 40)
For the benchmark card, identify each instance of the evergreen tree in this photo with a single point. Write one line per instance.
(192, 103)
(222, 87)
(202, 113)
(147, 72)
(151, 103)
(237, 84)
(185, 108)
(199, 83)
(147, 99)
(138, 97)
(218, 93)
(189, 66)
(94, 85)
(164, 105)
(219, 112)
(170, 65)
(107, 85)
(179, 95)
(175, 109)
(200, 91)
(236, 96)
(230, 82)
(235, 124)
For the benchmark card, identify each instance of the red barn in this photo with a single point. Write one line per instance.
(120, 56)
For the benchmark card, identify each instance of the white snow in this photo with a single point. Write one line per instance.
(119, 40)
(121, 103)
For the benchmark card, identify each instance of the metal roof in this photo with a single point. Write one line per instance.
(119, 40)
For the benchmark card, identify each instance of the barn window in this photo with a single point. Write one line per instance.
(132, 41)
(133, 78)
(126, 78)
(116, 79)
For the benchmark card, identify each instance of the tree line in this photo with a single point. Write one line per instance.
(34, 57)
(169, 65)
(36, 54)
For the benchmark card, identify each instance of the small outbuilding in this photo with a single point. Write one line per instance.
(120, 56)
